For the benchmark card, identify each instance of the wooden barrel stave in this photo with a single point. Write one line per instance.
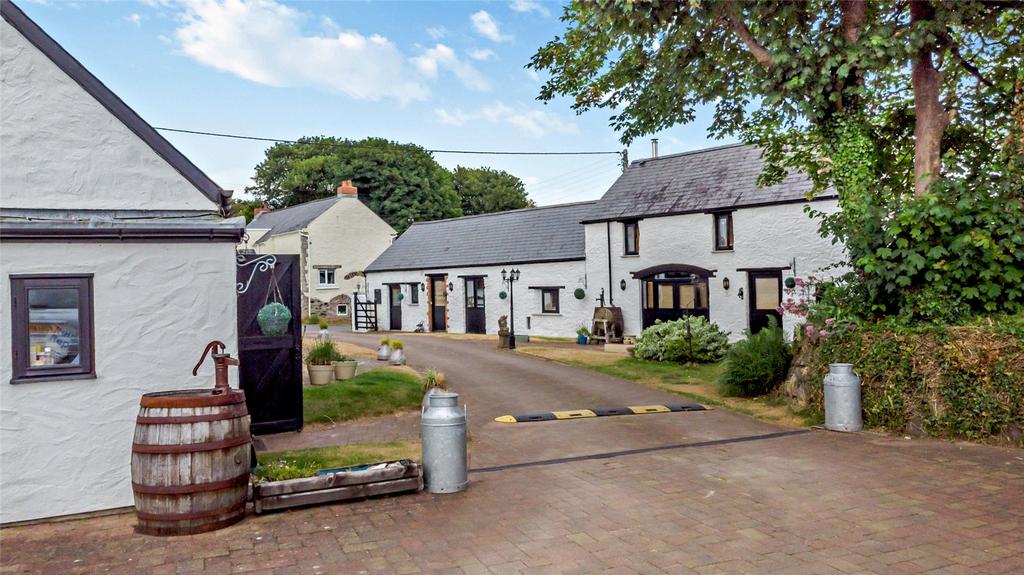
(190, 464)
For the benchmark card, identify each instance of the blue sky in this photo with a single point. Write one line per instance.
(444, 75)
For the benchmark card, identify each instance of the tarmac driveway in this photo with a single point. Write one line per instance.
(698, 492)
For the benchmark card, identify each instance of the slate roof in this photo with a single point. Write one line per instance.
(109, 100)
(711, 179)
(292, 218)
(529, 235)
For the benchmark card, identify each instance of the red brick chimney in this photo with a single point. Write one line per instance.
(347, 190)
(261, 210)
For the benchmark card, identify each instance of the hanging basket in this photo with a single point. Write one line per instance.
(502, 294)
(401, 296)
(791, 282)
(274, 319)
(579, 293)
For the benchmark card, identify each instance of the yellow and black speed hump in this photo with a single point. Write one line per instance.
(599, 412)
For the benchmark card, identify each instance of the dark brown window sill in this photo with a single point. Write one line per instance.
(53, 377)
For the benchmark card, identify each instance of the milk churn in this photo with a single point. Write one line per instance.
(842, 398)
(443, 426)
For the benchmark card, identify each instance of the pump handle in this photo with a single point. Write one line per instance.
(217, 348)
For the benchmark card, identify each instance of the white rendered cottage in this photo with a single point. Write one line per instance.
(446, 274)
(692, 234)
(335, 238)
(116, 269)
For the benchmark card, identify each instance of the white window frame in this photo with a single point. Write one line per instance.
(334, 276)
(338, 307)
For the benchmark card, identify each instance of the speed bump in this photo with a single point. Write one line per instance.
(599, 412)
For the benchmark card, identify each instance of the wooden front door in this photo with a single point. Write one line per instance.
(476, 313)
(671, 296)
(395, 306)
(438, 304)
(270, 367)
(765, 296)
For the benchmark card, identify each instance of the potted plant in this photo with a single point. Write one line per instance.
(320, 362)
(384, 351)
(397, 355)
(433, 381)
(345, 367)
(582, 334)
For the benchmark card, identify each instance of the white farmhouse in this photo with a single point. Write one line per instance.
(446, 275)
(116, 269)
(335, 239)
(678, 235)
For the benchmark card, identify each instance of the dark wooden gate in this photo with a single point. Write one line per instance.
(270, 370)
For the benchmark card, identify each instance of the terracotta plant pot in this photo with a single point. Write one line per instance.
(320, 374)
(383, 352)
(345, 369)
(397, 357)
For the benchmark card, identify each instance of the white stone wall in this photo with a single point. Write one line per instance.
(63, 149)
(770, 236)
(66, 445)
(528, 317)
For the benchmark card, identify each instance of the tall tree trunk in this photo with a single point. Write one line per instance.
(931, 118)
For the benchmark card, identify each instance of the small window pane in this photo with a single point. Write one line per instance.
(665, 299)
(440, 294)
(650, 303)
(549, 303)
(767, 293)
(342, 309)
(414, 293)
(53, 330)
(687, 297)
(326, 277)
(631, 238)
(723, 231)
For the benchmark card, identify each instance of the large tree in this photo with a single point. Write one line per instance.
(934, 77)
(402, 183)
(486, 190)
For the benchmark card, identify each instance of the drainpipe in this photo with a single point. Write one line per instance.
(608, 235)
(306, 270)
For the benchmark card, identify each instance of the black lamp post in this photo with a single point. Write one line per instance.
(510, 277)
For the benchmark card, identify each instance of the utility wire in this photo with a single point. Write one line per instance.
(485, 152)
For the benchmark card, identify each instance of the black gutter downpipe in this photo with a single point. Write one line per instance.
(608, 235)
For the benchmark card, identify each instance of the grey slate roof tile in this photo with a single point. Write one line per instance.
(714, 178)
(292, 218)
(548, 233)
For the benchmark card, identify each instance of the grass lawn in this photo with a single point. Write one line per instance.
(379, 392)
(696, 382)
(306, 462)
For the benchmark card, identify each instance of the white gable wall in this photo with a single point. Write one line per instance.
(769, 236)
(66, 445)
(349, 235)
(62, 149)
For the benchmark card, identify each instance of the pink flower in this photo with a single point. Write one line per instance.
(799, 282)
(809, 329)
(823, 333)
(853, 326)
(829, 321)
(780, 309)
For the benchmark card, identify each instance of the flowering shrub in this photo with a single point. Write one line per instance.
(669, 341)
(827, 307)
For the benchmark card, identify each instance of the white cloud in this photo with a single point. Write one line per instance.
(535, 123)
(533, 74)
(487, 27)
(134, 19)
(481, 54)
(529, 6)
(437, 32)
(443, 57)
(262, 41)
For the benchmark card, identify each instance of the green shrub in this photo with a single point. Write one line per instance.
(311, 320)
(323, 352)
(961, 381)
(702, 342)
(322, 323)
(757, 364)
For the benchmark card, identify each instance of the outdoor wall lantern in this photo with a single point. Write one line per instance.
(725, 283)
(739, 294)
(423, 287)
(451, 287)
(622, 285)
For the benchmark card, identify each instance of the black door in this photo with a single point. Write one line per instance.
(438, 304)
(395, 303)
(671, 296)
(765, 296)
(476, 313)
(270, 367)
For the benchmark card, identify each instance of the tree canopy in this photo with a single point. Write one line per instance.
(486, 190)
(402, 183)
(905, 107)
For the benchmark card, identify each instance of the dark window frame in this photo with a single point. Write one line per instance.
(633, 225)
(729, 231)
(555, 296)
(414, 294)
(22, 370)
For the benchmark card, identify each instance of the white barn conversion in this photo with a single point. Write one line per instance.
(116, 268)
(676, 235)
(446, 275)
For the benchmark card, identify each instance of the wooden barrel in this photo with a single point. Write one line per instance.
(190, 461)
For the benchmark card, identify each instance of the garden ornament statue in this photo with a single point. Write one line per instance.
(503, 332)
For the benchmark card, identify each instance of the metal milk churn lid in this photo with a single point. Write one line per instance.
(443, 426)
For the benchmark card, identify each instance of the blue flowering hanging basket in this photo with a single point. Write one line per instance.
(274, 319)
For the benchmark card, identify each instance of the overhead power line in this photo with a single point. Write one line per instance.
(484, 152)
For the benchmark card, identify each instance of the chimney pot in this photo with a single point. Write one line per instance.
(346, 189)
(265, 208)
(654, 147)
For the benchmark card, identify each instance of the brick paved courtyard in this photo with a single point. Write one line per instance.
(726, 500)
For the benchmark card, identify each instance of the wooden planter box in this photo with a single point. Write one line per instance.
(397, 477)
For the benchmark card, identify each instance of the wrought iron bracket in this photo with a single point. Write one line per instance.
(262, 264)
